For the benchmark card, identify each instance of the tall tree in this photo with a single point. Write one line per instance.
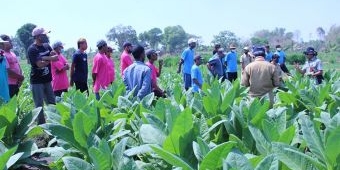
(226, 38)
(174, 38)
(333, 38)
(24, 33)
(321, 33)
(120, 34)
(155, 37)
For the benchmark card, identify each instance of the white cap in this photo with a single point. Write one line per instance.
(192, 40)
(246, 48)
(38, 31)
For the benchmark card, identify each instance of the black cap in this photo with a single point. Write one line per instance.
(126, 44)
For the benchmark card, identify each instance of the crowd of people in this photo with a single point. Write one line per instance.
(261, 70)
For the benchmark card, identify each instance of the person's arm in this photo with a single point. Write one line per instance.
(146, 85)
(13, 74)
(319, 68)
(160, 63)
(194, 75)
(245, 78)
(94, 76)
(297, 67)
(276, 77)
(181, 61)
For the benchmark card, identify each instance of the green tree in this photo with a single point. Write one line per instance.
(69, 52)
(155, 37)
(24, 33)
(226, 38)
(120, 34)
(333, 38)
(174, 38)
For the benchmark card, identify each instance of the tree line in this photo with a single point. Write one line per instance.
(174, 38)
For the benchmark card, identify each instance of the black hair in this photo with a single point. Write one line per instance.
(137, 52)
(4, 37)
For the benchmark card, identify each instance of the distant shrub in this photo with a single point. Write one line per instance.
(295, 58)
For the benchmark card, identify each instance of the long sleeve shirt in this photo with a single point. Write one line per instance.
(137, 77)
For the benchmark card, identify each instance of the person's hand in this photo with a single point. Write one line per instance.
(160, 62)
(178, 71)
(296, 65)
(66, 67)
(21, 78)
(71, 83)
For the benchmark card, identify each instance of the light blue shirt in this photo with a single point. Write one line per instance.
(4, 92)
(138, 75)
(188, 57)
(282, 58)
(231, 60)
(269, 56)
(196, 74)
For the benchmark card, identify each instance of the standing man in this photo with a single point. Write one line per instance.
(79, 67)
(313, 66)
(216, 47)
(15, 76)
(125, 58)
(196, 75)
(282, 59)
(155, 72)
(40, 56)
(187, 59)
(215, 64)
(111, 65)
(59, 68)
(246, 58)
(260, 75)
(231, 64)
(100, 75)
(137, 76)
(269, 54)
(4, 92)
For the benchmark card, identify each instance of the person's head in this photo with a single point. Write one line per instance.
(82, 44)
(275, 57)
(102, 46)
(138, 53)
(246, 50)
(40, 35)
(192, 43)
(259, 52)
(58, 47)
(310, 53)
(217, 46)
(198, 60)
(151, 54)
(109, 51)
(220, 52)
(2, 42)
(278, 47)
(267, 48)
(127, 47)
(232, 48)
(7, 46)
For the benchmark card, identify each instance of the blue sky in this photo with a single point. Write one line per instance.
(71, 19)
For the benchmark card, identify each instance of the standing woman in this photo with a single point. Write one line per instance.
(111, 65)
(59, 68)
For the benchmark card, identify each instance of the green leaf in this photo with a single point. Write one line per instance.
(214, 159)
(6, 156)
(142, 149)
(73, 163)
(171, 158)
(204, 148)
(117, 153)
(28, 148)
(2, 132)
(270, 162)
(99, 159)
(288, 135)
(25, 123)
(262, 144)
(236, 160)
(257, 112)
(80, 122)
(240, 144)
(313, 138)
(151, 135)
(332, 137)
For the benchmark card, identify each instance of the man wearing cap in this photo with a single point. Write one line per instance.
(282, 59)
(125, 58)
(312, 67)
(40, 56)
(111, 65)
(231, 63)
(260, 75)
(215, 64)
(15, 76)
(79, 67)
(100, 69)
(246, 58)
(269, 54)
(153, 56)
(4, 92)
(187, 59)
(59, 68)
(196, 74)
(137, 76)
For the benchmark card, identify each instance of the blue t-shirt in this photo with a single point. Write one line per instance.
(196, 74)
(4, 92)
(80, 68)
(269, 56)
(217, 68)
(188, 57)
(282, 58)
(231, 60)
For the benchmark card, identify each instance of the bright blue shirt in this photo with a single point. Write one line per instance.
(4, 92)
(138, 75)
(196, 74)
(269, 56)
(231, 60)
(282, 58)
(188, 57)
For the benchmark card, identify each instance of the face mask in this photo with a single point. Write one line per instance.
(233, 50)
(278, 49)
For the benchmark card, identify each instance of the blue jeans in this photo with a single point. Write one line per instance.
(187, 80)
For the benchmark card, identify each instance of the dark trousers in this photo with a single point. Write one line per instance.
(81, 86)
(13, 89)
(284, 68)
(232, 76)
(59, 92)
